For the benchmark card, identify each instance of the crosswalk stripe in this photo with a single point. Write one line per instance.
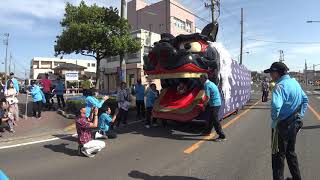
(308, 92)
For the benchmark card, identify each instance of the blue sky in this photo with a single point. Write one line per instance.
(33, 26)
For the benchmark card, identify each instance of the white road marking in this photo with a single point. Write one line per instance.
(48, 140)
(316, 92)
(36, 142)
(308, 92)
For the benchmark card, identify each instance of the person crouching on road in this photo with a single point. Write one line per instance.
(87, 145)
(288, 105)
(212, 110)
(152, 95)
(38, 99)
(106, 121)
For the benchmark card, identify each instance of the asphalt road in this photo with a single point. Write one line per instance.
(160, 154)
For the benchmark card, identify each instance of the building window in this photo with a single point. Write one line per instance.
(131, 80)
(147, 49)
(93, 65)
(189, 26)
(113, 59)
(133, 55)
(179, 23)
(88, 64)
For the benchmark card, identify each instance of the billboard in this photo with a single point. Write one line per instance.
(72, 76)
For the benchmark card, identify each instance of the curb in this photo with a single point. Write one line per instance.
(66, 115)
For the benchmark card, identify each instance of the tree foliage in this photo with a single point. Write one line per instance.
(94, 31)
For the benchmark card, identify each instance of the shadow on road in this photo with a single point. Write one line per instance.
(174, 130)
(62, 148)
(311, 127)
(145, 176)
(67, 137)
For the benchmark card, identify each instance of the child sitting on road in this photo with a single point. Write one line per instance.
(5, 116)
(106, 121)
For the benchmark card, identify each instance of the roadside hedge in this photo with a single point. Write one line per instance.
(73, 104)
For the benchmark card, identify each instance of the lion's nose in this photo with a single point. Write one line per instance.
(187, 46)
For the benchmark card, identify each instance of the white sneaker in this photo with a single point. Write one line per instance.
(98, 135)
(147, 126)
(84, 152)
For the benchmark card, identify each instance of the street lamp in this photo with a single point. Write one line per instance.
(314, 69)
(6, 43)
(244, 53)
(313, 21)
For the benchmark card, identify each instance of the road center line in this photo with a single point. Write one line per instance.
(314, 112)
(196, 145)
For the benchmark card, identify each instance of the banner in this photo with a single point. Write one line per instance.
(72, 76)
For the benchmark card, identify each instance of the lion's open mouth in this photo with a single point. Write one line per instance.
(181, 104)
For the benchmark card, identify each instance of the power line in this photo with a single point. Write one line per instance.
(282, 42)
(201, 18)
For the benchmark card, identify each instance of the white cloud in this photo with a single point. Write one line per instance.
(254, 45)
(36, 8)
(44, 9)
(21, 23)
(306, 50)
(25, 14)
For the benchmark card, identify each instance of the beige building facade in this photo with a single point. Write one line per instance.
(165, 16)
(40, 65)
(110, 67)
(147, 22)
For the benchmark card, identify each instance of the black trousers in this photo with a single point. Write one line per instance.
(214, 121)
(121, 117)
(148, 116)
(49, 103)
(286, 142)
(36, 107)
(140, 108)
(265, 95)
(111, 134)
(60, 99)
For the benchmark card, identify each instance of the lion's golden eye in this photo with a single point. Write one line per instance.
(193, 47)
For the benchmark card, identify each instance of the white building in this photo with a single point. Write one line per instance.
(110, 67)
(46, 65)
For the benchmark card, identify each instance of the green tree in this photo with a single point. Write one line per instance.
(94, 31)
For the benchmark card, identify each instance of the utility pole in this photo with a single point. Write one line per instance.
(281, 57)
(25, 76)
(241, 39)
(213, 9)
(10, 62)
(122, 56)
(305, 71)
(6, 42)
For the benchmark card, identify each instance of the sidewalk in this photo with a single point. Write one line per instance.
(51, 126)
(31, 128)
